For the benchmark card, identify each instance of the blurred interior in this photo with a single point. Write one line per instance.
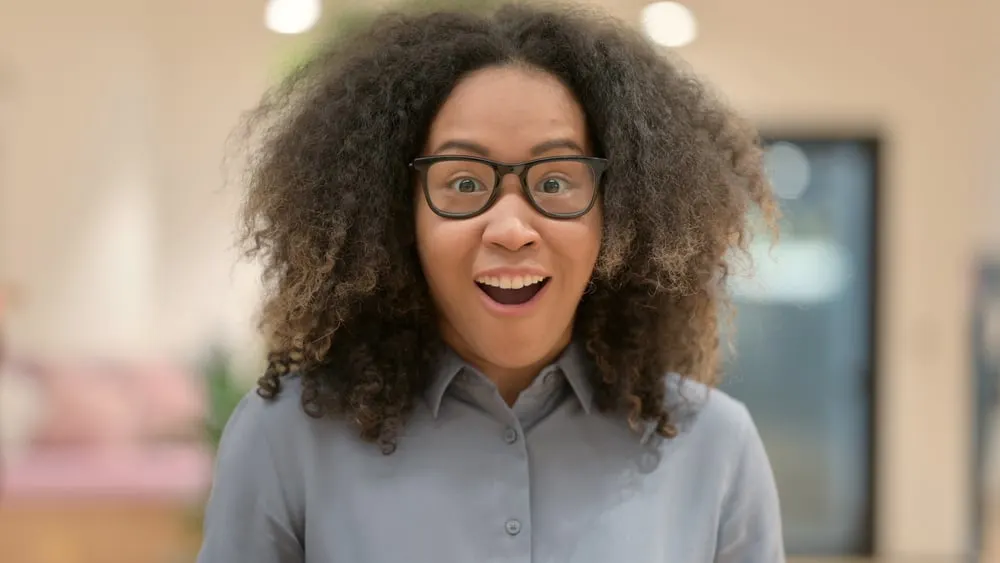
(868, 344)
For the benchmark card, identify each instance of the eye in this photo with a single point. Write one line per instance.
(467, 185)
(552, 186)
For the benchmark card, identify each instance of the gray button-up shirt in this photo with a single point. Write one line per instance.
(550, 480)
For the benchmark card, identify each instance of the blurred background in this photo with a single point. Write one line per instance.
(868, 342)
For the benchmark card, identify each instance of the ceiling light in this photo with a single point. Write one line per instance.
(670, 24)
(292, 16)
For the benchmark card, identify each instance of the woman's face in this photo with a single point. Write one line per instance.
(509, 115)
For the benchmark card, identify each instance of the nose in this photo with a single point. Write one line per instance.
(509, 221)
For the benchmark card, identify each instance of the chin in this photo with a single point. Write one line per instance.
(514, 351)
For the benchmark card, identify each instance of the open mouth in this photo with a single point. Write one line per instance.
(516, 290)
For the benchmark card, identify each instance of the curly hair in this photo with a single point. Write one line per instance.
(330, 208)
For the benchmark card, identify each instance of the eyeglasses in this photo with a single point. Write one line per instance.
(558, 187)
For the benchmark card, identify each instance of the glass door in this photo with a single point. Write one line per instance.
(804, 341)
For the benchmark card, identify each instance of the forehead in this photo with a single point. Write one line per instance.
(508, 110)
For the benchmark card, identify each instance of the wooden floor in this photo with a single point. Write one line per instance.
(991, 553)
(82, 531)
(877, 560)
(885, 560)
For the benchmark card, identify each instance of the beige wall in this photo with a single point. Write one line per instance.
(917, 73)
(114, 220)
(76, 174)
(113, 217)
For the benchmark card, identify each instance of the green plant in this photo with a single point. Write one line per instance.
(224, 392)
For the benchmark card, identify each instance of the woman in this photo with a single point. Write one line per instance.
(489, 239)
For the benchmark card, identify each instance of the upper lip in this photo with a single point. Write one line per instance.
(511, 272)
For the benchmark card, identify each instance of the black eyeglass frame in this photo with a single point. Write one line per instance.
(597, 165)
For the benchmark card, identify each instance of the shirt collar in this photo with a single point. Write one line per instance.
(573, 363)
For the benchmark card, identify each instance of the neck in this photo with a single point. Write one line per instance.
(509, 381)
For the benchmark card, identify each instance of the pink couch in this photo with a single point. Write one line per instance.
(114, 428)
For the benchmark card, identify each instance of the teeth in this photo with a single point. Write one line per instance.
(510, 282)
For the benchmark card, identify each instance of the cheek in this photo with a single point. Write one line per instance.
(422, 223)
(443, 246)
(427, 235)
(576, 245)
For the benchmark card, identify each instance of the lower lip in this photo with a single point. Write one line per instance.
(512, 310)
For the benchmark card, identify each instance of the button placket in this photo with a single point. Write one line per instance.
(515, 514)
(510, 435)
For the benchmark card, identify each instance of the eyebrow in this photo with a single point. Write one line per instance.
(537, 150)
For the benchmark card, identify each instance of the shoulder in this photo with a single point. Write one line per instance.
(709, 412)
(256, 506)
(721, 443)
(726, 457)
(277, 425)
(285, 406)
(268, 415)
(713, 427)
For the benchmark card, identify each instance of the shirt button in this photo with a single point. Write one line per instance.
(510, 435)
(513, 527)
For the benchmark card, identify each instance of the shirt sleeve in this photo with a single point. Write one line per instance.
(249, 517)
(750, 525)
